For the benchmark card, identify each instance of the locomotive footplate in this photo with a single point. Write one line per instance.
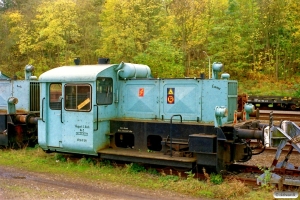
(154, 158)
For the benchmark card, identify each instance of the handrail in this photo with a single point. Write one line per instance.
(171, 131)
(96, 119)
(117, 86)
(43, 109)
(61, 110)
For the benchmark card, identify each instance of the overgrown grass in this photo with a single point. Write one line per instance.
(270, 87)
(34, 159)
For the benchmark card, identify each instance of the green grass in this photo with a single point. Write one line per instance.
(34, 159)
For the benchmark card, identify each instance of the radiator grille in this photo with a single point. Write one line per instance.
(232, 88)
(34, 97)
(232, 99)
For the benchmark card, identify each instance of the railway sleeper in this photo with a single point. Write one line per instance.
(280, 181)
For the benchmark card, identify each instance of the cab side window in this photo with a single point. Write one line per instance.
(78, 97)
(55, 96)
(104, 91)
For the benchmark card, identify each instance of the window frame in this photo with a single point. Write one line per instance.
(55, 104)
(72, 90)
(106, 89)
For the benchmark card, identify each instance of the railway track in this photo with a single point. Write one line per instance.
(249, 175)
(291, 177)
(277, 116)
(246, 173)
(264, 115)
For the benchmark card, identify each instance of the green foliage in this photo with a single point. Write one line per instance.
(51, 34)
(262, 86)
(297, 92)
(256, 40)
(152, 171)
(127, 27)
(59, 157)
(163, 59)
(216, 178)
(206, 193)
(105, 163)
(265, 181)
(190, 175)
(135, 168)
(169, 178)
(85, 162)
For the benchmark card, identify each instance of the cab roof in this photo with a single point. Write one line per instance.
(76, 73)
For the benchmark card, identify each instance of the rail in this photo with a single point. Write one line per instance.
(278, 116)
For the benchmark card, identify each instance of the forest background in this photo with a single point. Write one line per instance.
(256, 40)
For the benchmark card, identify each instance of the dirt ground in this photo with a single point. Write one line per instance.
(16, 184)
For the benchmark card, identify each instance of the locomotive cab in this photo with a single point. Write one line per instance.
(76, 105)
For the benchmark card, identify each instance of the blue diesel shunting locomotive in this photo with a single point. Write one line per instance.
(119, 112)
(19, 109)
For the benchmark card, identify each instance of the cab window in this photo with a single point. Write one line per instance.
(55, 96)
(104, 91)
(78, 97)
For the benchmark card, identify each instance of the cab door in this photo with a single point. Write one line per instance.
(54, 115)
(77, 118)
